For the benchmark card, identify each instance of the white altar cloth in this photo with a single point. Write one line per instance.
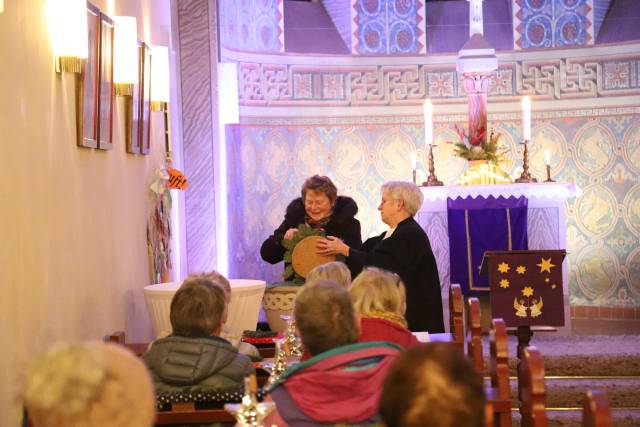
(246, 297)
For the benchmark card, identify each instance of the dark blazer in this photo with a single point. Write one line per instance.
(342, 225)
(408, 253)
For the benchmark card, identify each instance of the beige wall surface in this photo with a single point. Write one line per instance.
(73, 256)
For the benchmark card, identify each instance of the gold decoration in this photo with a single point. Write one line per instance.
(521, 269)
(527, 291)
(292, 343)
(503, 267)
(249, 412)
(545, 265)
(504, 283)
(279, 362)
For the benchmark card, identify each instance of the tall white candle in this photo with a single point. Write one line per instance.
(547, 157)
(526, 118)
(413, 160)
(427, 110)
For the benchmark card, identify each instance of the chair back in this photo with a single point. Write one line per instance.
(596, 411)
(531, 389)
(474, 334)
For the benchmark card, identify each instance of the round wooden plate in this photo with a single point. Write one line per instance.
(304, 257)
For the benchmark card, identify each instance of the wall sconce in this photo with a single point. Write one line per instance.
(68, 32)
(125, 67)
(160, 91)
(1, 6)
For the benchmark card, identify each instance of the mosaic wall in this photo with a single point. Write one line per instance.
(602, 155)
(552, 23)
(409, 84)
(252, 25)
(388, 27)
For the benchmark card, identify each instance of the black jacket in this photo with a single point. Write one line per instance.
(342, 224)
(408, 253)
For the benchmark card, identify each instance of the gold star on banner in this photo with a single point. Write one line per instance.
(545, 265)
(546, 280)
(527, 291)
(521, 269)
(503, 267)
(504, 283)
(553, 286)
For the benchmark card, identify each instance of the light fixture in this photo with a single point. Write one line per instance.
(160, 91)
(125, 67)
(68, 32)
(1, 6)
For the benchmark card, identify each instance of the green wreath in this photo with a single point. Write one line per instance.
(304, 230)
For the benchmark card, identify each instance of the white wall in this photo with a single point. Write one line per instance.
(73, 256)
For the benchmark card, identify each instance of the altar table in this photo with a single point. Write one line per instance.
(546, 222)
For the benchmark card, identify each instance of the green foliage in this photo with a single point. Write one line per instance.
(304, 231)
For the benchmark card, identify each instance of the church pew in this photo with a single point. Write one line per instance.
(186, 413)
(456, 324)
(596, 411)
(499, 394)
(531, 389)
(474, 334)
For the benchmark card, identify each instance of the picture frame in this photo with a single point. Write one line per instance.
(145, 111)
(87, 85)
(133, 145)
(105, 84)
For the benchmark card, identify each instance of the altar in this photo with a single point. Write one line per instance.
(546, 222)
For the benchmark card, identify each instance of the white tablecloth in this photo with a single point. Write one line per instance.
(246, 297)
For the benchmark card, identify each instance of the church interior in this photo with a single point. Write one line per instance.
(111, 186)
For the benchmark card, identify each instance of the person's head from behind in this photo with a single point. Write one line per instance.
(432, 385)
(399, 200)
(91, 384)
(319, 195)
(324, 317)
(198, 308)
(336, 271)
(376, 291)
(216, 278)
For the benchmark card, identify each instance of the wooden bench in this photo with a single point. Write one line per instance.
(596, 411)
(474, 334)
(186, 413)
(531, 389)
(456, 324)
(499, 394)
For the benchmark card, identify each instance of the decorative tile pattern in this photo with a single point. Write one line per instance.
(374, 85)
(552, 23)
(252, 25)
(388, 27)
(603, 224)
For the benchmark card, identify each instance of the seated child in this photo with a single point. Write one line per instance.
(90, 384)
(379, 299)
(336, 271)
(243, 347)
(194, 357)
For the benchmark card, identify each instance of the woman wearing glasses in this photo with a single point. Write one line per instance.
(403, 249)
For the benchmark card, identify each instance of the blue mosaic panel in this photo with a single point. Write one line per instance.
(552, 23)
(389, 26)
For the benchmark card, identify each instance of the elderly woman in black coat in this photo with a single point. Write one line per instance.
(319, 207)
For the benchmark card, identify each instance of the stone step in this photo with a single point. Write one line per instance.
(569, 392)
(573, 418)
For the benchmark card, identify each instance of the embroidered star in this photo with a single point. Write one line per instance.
(545, 265)
(504, 283)
(527, 291)
(553, 286)
(521, 269)
(503, 267)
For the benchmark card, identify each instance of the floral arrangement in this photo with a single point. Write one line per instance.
(477, 147)
(159, 228)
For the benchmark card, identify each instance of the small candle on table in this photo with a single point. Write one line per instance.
(547, 157)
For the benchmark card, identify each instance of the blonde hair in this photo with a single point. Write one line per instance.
(375, 290)
(336, 271)
(91, 384)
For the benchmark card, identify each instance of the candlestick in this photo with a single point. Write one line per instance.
(547, 157)
(525, 176)
(526, 118)
(432, 179)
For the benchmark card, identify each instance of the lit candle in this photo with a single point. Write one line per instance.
(526, 118)
(547, 157)
(427, 110)
(413, 160)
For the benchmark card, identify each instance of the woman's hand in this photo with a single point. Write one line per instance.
(332, 246)
(290, 234)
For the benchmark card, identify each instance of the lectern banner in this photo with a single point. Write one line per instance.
(479, 225)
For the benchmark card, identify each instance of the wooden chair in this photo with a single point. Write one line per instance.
(474, 334)
(499, 394)
(531, 389)
(596, 411)
(456, 324)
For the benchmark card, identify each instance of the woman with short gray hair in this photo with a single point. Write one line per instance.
(403, 249)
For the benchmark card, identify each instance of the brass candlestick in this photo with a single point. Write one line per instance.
(549, 174)
(250, 413)
(432, 179)
(526, 175)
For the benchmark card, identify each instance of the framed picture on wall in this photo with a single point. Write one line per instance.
(105, 86)
(87, 93)
(134, 145)
(145, 116)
